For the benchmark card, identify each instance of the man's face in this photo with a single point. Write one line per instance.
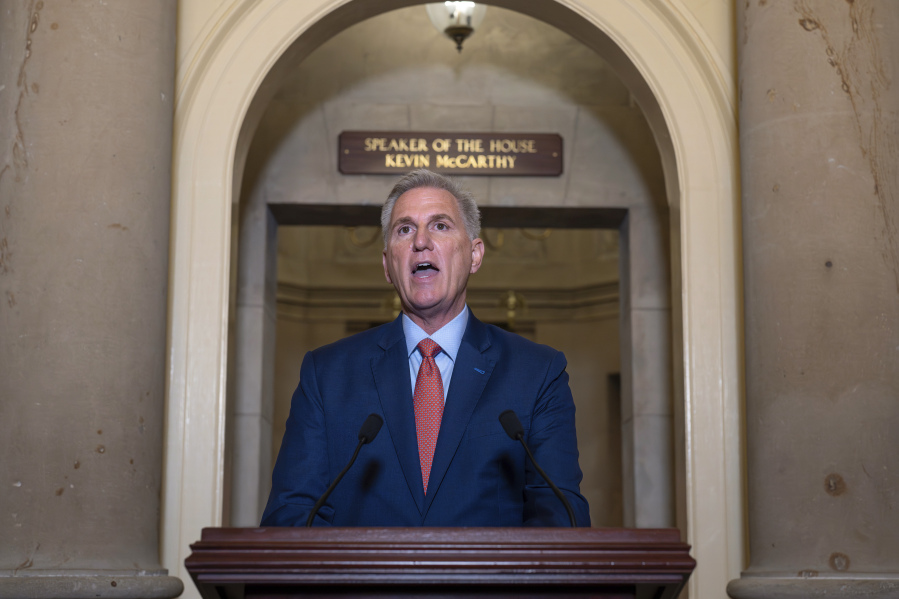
(428, 256)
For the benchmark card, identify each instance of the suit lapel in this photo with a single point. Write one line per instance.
(471, 372)
(391, 374)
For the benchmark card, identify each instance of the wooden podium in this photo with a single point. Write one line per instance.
(439, 562)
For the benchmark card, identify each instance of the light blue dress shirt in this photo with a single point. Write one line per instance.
(449, 338)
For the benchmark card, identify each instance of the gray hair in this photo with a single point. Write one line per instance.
(468, 207)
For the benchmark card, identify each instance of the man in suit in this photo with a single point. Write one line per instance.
(435, 462)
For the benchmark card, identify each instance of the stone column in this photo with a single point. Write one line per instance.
(254, 360)
(647, 424)
(85, 161)
(819, 89)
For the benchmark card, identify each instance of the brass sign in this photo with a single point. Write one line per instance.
(390, 152)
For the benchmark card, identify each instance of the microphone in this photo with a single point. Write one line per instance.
(367, 434)
(512, 426)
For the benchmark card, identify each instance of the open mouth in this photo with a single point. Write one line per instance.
(424, 269)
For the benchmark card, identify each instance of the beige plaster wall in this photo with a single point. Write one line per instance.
(710, 21)
(396, 72)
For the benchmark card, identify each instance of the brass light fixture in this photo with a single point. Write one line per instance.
(513, 302)
(457, 20)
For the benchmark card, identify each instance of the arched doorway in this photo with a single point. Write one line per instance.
(221, 96)
(394, 72)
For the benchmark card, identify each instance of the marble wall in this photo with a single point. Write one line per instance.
(821, 256)
(86, 124)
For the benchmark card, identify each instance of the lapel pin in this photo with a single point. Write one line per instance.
(479, 370)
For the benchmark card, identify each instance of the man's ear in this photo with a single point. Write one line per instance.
(477, 254)
(384, 262)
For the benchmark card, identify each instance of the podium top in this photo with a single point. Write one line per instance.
(607, 538)
(419, 558)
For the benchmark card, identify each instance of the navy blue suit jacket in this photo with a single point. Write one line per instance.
(479, 476)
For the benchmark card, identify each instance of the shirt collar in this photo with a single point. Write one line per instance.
(448, 337)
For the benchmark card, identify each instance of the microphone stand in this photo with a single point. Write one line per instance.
(513, 428)
(367, 434)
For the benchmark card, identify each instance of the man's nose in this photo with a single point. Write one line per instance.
(422, 240)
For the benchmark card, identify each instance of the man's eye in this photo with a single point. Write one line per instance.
(404, 229)
(441, 226)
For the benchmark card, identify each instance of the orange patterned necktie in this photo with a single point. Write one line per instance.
(428, 403)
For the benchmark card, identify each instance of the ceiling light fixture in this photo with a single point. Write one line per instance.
(457, 20)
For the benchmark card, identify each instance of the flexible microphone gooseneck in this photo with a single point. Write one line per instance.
(513, 428)
(367, 434)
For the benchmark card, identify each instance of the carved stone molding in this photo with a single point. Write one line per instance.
(376, 304)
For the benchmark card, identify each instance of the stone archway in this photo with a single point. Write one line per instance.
(229, 77)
